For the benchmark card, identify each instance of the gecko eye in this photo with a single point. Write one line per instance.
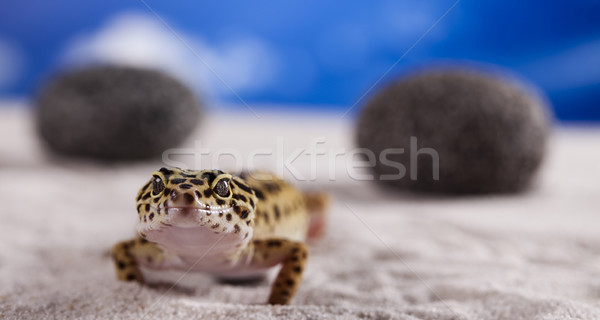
(221, 188)
(157, 186)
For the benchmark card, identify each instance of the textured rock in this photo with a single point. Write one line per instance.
(114, 113)
(490, 133)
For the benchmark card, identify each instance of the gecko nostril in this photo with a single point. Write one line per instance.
(189, 198)
(174, 195)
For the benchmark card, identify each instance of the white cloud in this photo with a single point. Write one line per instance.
(11, 63)
(246, 65)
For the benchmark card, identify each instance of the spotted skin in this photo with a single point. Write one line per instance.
(293, 257)
(230, 226)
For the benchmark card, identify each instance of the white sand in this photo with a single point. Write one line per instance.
(533, 256)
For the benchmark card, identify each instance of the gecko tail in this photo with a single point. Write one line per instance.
(316, 201)
(316, 204)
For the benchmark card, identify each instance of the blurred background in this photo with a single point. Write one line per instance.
(306, 54)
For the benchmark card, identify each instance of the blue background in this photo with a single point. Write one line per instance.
(331, 52)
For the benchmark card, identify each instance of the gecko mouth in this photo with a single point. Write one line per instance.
(189, 228)
(185, 217)
(208, 210)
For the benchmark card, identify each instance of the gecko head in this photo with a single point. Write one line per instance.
(188, 208)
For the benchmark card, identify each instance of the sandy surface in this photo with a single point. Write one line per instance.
(385, 256)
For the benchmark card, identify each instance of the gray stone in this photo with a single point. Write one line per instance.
(490, 132)
(115, 113)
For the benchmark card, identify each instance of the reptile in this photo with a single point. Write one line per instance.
(229, 226)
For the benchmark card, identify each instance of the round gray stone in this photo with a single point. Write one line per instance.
(488, 132)
(115, 113)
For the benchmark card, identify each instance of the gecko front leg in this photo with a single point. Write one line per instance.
(128, 254)
(292, 255)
